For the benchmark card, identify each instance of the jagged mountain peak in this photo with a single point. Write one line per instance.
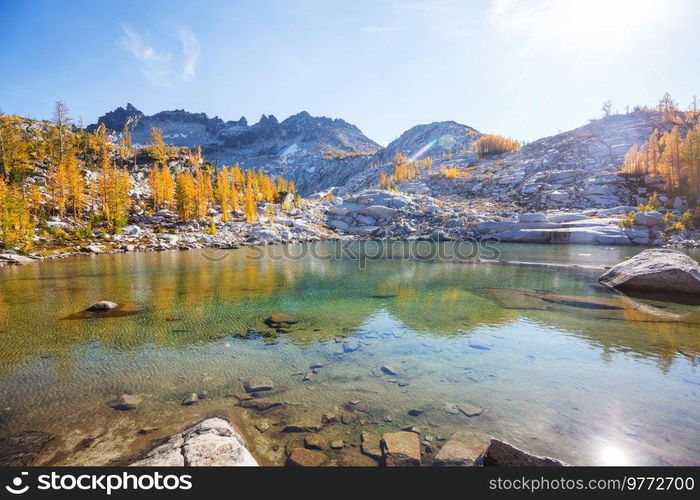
(301, 115)
(115, 120)
(302, 147)
(267, 121)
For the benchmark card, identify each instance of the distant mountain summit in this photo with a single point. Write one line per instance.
(432, 140)
(302, 147)
(115, 120)
(438, 141)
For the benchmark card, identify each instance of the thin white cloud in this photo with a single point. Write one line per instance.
(158, 65)
(191, 51)
(134, 43)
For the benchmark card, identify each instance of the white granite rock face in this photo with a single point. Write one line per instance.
(211, 442)
(582, 230)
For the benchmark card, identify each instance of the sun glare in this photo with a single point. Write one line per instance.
(580, 25)
(612, 455)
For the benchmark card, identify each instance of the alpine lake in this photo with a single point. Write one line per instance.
(546, 358)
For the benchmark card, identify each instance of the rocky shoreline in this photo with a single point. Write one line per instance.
(376, 215)
(214, 442)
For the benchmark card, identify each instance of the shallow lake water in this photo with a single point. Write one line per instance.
(559, 365)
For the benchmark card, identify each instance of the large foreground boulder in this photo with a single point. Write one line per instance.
(502, 454)
(211, 442)
(656, 270)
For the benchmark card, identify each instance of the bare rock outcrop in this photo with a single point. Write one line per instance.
(211, 442)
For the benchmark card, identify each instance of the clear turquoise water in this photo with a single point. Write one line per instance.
(560, 366)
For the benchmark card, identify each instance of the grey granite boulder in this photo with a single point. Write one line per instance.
(656, 270)
(652, 218)
(502, 454)
(211, 442)
(102, 306)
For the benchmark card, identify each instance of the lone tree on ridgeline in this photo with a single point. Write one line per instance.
(607, 108)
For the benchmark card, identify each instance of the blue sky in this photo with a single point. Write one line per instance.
(525, 69)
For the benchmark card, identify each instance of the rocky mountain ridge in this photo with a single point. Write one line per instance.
(316, 152)
(576, 169)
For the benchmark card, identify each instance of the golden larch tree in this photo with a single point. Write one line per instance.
(222, 193)
(250, 206)
(158, 149)
(185, 196)
(14, 149)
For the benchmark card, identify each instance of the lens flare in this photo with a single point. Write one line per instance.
(423, 150)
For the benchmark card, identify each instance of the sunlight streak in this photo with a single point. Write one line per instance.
(423, 150)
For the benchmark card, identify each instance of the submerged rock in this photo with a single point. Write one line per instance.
(348, 417)
(315, 441)
(656, 270)
(596, 303)
(211, 442)
(464, 449)
(259, 404)
(258, 384)
(280, 319)
(350, 345)
(301, 457)
(469, 410)
(354, 459)
(451, 408)
(303, 427)
(389, 370)
(125, 402)
(190, 400)
(329, 418)
(401, 449)
(371, 444)
(21, 449)
(500, 453)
